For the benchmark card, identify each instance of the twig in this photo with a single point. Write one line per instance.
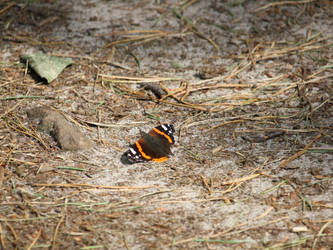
(12, 230)
(25, 97)
(264, 213)
(106, 125)
(194, 29)
(14, 107)
(35, 240)
(2, 238)
(320, 232)
(11, 4)
(245, 178)
(282, 3)
(56, 232)
(298, 154)
(30, 219)
(128, 79)
(230, 232)
(77, 185)
(225, 123)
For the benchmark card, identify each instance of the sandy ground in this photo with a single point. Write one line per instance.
(250, 95)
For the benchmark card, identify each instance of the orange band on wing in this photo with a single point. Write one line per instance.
(162, 159)
(141, 151)
(164, 134)
(147, 157)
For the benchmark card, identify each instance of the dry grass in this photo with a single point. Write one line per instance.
(87, 200)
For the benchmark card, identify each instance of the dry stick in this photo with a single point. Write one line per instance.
(181, 35)
(24, 130)
(250, 53)
(109, 62)
(125, 242)
(185, 105)
(56, 232)
(282, 3)
(264, 213)
(85, 98)
(77, 185)
(2, 238)
(280, 53)
(15, 106)
(35, 240)
(245, 178)
(276, 52)
(18, 160)
(320, 232)
(249, 228)
(188, 3)
(236, 70)
(228, 231)
(186, 92)
(138, 38)
(29, 219)
(112, 146)
(217, 86)
(194, 29)
(11, 109)
(11, 4)
(169, 93)
(225, 123)
(206, 185)
(298, 154)
(231, 188)
(245, 117)
(11, 229)
(293, 85)
(106, 125)
(2, 173)
(131, 32)
(206, 81)
(172, 95)
(139, 79)
(99, 128)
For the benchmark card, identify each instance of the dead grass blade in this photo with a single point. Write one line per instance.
(2, 238)
(320, 232)
(141, 36)
(194, 29)
(16, 124)
(270, 5)
(54, 239)
(12, 230)
(298, 154)
(79, 185)
(265, 213)
(257, 92)
(10, 4)
(35, 240)
(231, 231)
(131, 79)
(240, 180)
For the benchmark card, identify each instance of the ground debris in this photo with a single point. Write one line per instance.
(67, 136)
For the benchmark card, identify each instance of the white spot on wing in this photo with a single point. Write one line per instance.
(164, 127)
(132, 151)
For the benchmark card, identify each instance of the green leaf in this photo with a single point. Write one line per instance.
(47, 67)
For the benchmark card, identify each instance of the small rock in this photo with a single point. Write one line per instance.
(67, 136)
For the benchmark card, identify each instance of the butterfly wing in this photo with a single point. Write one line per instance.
(154, 146)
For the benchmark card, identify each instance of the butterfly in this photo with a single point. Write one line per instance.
(152, 146)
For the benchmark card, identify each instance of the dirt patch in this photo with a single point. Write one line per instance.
(247, 85)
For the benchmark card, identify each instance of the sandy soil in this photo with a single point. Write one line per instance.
(250, 95)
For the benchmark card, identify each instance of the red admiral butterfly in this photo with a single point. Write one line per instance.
(154, 146)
